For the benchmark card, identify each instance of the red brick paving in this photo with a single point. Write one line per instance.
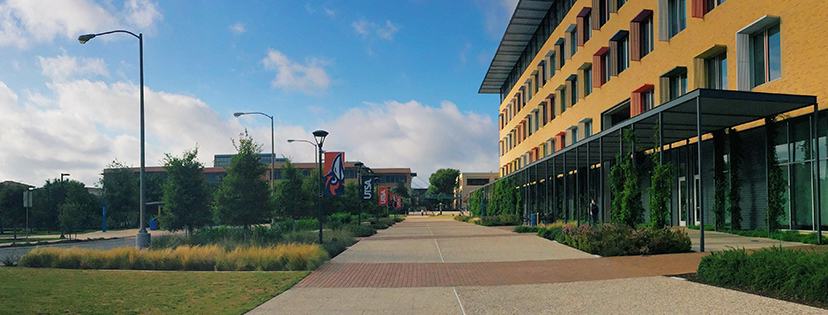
(395, 275)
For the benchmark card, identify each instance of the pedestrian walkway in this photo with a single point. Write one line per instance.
(441, 266)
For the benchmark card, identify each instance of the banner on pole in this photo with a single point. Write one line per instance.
(392, 199)
(334, 173)
(367, 188)
(383, 196)
(399, 202)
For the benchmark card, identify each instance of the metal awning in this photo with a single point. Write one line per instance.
(525, 21)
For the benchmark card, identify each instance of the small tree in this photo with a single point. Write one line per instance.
(291, 200)
(660, 190)
(776, 182)
(186, 198)
(244, 197)
(120, 196)
(735, 196)
(70, 216)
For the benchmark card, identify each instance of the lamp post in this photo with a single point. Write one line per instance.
(272, 143)
(142, 240)
(319, 136)
(360, 190)
(62, 175)
(315, 158)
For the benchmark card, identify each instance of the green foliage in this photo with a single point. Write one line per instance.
(620, 240)
(186, 198)
(526, 229)
(505, 199)
(70, 215)
(661, 188)
(462, 218)
(120, 194)
(786, 236)
(626, 181)
(475, 202)
(777, 184)
(798, 273)
(443, 182)
(360, 230)
(291, 200)
(719, 179)
(244, 197)
(735, 195)
(499, 220)
(12, 212)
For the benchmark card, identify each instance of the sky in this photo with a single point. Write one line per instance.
(394, 82)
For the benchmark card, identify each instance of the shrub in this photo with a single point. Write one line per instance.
(462, 218)
(212, 257)
(526, 229)
(499, 220)
(360, 230)
(620, 240)
(802, 274)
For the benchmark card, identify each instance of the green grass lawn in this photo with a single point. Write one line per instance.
(29, 291)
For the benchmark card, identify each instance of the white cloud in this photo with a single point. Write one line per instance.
(411, 134)
(238, 28)
(23, 22)
(388, 31)
(309, 78)
(62, 67)
(329, 12)
(363, 27)
(496, 15)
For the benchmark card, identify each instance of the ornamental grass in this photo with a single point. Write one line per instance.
(290, 257)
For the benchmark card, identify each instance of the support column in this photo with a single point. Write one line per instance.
(601, 178)
(817, 191)
(578, 186)
(699, 193)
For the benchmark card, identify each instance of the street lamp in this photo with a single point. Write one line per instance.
(319, 136)
(62, 175)
(142, 240)
(315, 158)
(360, 190)
(272, 143)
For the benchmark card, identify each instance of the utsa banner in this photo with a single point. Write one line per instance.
(391, 199)
(383, 196)
(399, 202)
(334, 173)
(367, 188)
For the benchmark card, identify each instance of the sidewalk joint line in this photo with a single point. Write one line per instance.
(439, 251)
(458, 301)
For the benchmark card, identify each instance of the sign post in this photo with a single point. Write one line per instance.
(27, 203)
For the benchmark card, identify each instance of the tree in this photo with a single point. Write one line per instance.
(70, 215)
(12, 212)
(121, 193)
(186, 198)
(661, 187)
(291, 199)
(443, 182)
(244, 197)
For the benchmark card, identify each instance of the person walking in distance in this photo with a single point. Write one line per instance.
(593, 212)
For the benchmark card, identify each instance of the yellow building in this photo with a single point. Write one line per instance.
(468, 182)
(572, 74)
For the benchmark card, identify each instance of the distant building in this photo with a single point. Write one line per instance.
(223, 160)
(468, 182)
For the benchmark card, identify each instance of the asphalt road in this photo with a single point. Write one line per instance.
(100, 245)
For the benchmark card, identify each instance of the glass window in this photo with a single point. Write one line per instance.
(605, 67)
(678, 85)
(574, 135)
(677, 16)
(717, 71)
(587, 27)
(648, 99)
(603, 12)
(587, 81)
(623, 54)
(587, 129)
(766, 56)
(563, 100)
(552, 65)
(573, 42)
(573, 92)
(647, 36)
(711, 4)
(562, 57)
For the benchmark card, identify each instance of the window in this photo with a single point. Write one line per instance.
(602, 67)
(551, 65)
(572, 35)
(562, 103)
(717, 71)
(536, 122)
(573, 134)
(587, 129)
(560, 51)
(588, 80)
(572, 86)
(677, 16)
(648, 99)
(641, 29)
(642, 99)
(602, 13)
(620, 52)
(678, 85)
(622, 2)
(542, 73)
(584, 28)
(712, 4)
(766, 56)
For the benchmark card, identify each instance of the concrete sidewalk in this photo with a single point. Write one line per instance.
(111, 234)
(440, 266)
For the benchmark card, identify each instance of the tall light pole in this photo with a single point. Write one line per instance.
(272, 144)
(62, 175)
(360, 190)
(319, 136)
(315, 158)
(142, 240)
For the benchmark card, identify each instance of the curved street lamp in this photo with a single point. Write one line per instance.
(319, 136)
(272, 143)
(142, 240)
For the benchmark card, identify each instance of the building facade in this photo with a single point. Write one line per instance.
(468, 182)
(572, 75)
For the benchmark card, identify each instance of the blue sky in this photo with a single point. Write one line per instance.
(394, 82)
